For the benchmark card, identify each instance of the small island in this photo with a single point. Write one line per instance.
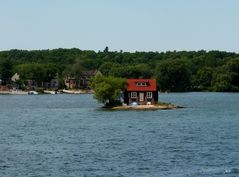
(128, 94)
(146, 107)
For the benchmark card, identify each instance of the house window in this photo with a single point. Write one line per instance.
(149, 95)
(133, 94)
(141, 84)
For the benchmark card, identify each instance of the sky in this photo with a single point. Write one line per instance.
(128, 25)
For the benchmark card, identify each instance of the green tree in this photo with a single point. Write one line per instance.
(31, 72)
(6, 71)
(107, 89)
(74, 70)
(37, 72)
(131, 71)
(222, 82)
(49, 71)
(106, 50)
(233, 67)
(203, 78)
(106, 67)
(173, 75)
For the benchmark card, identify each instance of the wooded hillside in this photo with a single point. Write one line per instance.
(174, 71)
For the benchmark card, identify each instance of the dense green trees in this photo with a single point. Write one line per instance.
(173, 75)
(107, 89)
(37, 72)
(131, 71)
(175, 71)
(203, 78)
(233, 68)
(6, 71)
(106, 67)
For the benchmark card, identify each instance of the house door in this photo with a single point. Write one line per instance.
(141, 97)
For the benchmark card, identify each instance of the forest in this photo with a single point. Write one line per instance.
(175, 71)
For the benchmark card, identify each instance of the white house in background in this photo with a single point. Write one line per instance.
(15, 77)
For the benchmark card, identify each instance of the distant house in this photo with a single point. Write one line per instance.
(29, 83)
(15, 77)
(53, 84)
(83, 81)
(141, 91)
(70, 82)
(86, 76)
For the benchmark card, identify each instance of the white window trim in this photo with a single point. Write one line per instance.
(133, 95)
(149, 95)
(141, 84)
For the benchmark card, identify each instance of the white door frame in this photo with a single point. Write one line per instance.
(141, 96)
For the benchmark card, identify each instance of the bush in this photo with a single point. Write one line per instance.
(108, 89)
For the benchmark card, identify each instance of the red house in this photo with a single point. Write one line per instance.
(141, 91)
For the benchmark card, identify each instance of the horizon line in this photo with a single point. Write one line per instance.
(119, 51)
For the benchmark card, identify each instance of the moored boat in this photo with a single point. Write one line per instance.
(72, 91)
(50, 92)
(32, 92)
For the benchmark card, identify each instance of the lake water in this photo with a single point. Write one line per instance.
(71, 136)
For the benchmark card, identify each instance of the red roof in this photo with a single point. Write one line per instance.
(141, 85)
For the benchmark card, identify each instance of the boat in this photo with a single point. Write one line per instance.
(50, 92)
(32, 93)
(72, 91)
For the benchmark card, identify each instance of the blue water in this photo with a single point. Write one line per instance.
(71, 136)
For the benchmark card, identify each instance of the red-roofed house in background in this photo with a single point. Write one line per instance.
(141, 91)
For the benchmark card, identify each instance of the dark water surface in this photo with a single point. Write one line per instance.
(70, 136)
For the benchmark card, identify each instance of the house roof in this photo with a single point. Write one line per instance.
(15, 77)
(90, 73)
(147, 85)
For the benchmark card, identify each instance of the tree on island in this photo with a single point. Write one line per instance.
(108, 89)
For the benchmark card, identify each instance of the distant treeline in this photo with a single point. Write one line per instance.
(174, 71)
